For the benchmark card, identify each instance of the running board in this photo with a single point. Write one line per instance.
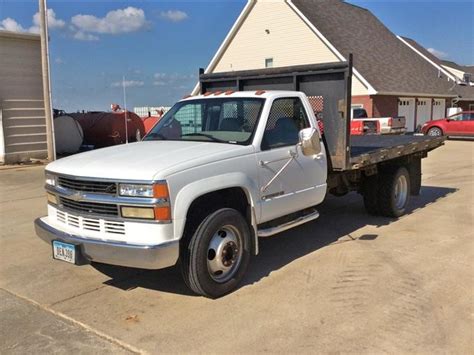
(288, 225)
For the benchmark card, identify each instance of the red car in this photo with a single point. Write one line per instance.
(459, 124)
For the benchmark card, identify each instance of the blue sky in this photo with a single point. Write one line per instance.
(160, 50)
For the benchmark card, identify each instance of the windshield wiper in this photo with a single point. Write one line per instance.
(155, 135)
(212, 138)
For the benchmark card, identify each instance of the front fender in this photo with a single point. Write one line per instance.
(195, 189)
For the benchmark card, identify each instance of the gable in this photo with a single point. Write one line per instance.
(458, 73)
(384, 61)
(273, 30)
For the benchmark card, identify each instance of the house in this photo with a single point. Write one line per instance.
(22, 113)
(389, 78)
(462, 75)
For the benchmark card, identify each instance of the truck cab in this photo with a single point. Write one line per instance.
(131, 205)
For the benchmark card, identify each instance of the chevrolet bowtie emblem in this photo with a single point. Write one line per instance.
(77, 196)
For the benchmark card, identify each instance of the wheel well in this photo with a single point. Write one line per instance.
(201, 207)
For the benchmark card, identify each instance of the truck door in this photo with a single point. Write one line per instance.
(288, 180)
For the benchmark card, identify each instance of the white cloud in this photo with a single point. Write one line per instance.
(53, 22)
(174, 15)
(173, 79)
(10, 24)
(127, 83)
(81, 36)
(130, 19)
(438, 53)
(59, 60)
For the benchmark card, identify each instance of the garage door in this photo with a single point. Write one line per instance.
(406, 108)
(423, 112)
(439, 108)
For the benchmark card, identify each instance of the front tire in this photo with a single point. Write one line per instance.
(217, 255)
(435, 132)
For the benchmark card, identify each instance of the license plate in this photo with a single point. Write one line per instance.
(65, 252)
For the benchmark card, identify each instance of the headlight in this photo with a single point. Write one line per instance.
(135, 190)
(50, 179)
(161, 211)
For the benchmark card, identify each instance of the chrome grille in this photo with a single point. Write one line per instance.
(102, 187)
(89, 207)
(91, 224)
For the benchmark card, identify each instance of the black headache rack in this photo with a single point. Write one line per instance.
(328, 87)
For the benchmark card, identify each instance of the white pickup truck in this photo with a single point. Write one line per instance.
(218, 171)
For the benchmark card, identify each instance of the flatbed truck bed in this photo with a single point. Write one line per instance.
(372, 149)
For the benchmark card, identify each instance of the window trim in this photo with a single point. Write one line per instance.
(249, 141)
(308, 121)
(266, 61)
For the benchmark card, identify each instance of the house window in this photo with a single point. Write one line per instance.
(269, 63)
(471, 107)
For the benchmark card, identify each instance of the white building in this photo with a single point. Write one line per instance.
(22, 114)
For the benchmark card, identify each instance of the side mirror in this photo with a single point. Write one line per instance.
(310, 141)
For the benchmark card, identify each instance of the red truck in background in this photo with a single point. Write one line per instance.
(358, 127)
(387, 125)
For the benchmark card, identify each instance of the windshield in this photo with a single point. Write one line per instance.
(222, 120)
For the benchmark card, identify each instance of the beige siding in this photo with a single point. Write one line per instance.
(457, 73)
(22, 114)
(289, 42)
(358, 88)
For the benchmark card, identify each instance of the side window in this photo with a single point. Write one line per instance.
(466, 116)
(287, 117)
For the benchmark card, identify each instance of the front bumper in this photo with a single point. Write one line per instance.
(116, 253)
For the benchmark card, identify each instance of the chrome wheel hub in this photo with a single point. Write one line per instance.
(401, 191)
(224, 254)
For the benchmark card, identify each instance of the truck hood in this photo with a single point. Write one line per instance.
(147, 160)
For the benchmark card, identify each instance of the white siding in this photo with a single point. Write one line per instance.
(289, 42)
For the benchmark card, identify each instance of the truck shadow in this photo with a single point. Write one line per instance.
(339, 217)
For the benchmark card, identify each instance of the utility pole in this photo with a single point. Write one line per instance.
(125, 109)
(46, 80)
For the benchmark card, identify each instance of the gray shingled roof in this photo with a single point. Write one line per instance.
(383, 60)
(435, 59)
(465, 92)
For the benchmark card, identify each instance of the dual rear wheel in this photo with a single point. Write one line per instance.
(387, 194)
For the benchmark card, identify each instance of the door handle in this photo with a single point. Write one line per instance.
(291, 154)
